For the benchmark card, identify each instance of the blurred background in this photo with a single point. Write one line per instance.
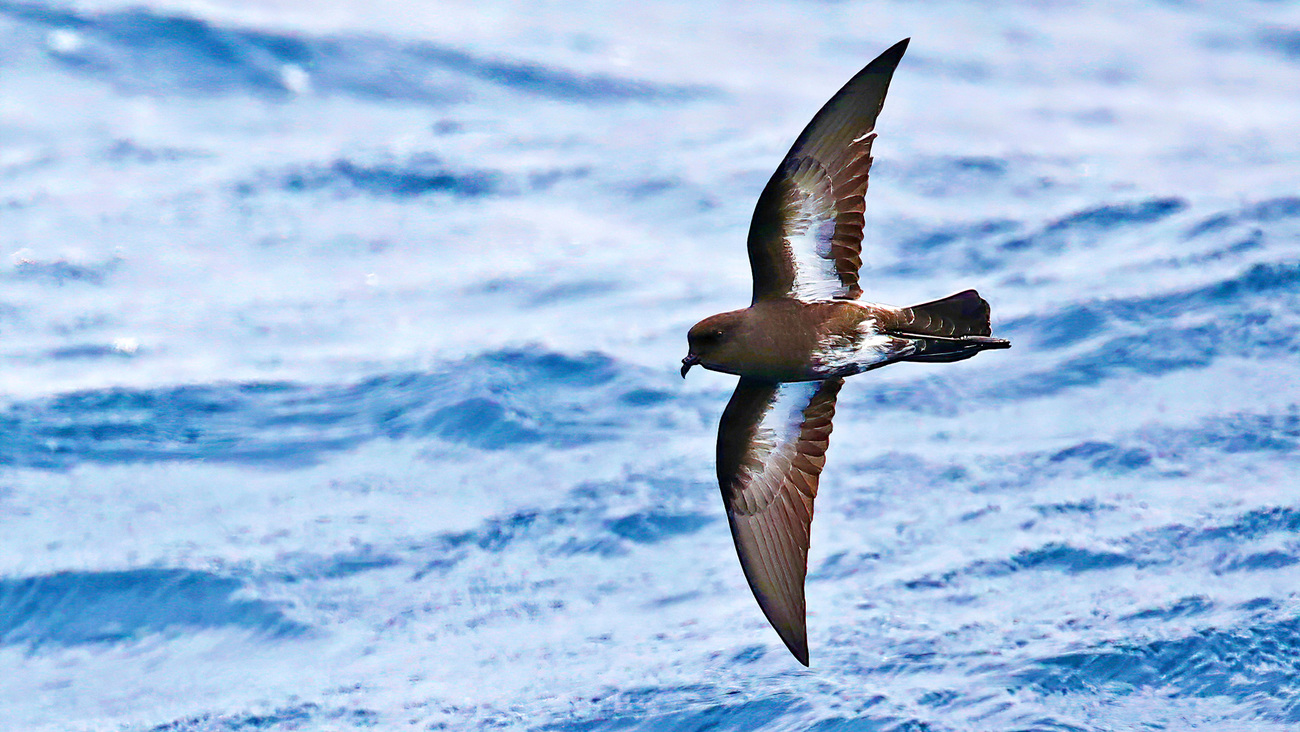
(339, 346)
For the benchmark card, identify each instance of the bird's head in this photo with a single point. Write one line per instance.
(712, 342)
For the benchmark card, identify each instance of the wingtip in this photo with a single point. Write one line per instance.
(797, 641)
(885, 62)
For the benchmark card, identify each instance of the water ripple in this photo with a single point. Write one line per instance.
(145, 51)
(490, 402)
(71, 608)
(1259, 662)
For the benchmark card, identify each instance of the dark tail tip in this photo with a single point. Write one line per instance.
(955, 316)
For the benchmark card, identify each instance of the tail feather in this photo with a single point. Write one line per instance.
(963, 314)
(949, 329)
(946, 350)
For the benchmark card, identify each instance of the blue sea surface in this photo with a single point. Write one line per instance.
(339, 346)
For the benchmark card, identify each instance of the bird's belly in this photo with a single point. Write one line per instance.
(855, 352)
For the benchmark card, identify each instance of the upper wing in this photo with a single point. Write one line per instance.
(805, 239)
(771, 449)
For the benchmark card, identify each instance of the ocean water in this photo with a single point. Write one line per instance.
(339, 348)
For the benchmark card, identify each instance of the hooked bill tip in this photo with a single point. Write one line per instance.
(690, 360)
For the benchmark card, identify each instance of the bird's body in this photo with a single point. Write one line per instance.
(785, 339)
(804, 332)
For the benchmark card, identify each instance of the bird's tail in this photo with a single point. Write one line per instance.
(950, 329)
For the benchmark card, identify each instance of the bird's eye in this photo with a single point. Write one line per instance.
(710, 337)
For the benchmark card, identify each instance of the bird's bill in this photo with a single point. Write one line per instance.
(690, 360)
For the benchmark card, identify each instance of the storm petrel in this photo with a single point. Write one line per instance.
(804, 332)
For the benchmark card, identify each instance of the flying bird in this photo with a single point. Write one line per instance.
(805, 331)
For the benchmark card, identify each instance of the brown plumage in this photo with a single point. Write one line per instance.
(803, 333)
(769, 487)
